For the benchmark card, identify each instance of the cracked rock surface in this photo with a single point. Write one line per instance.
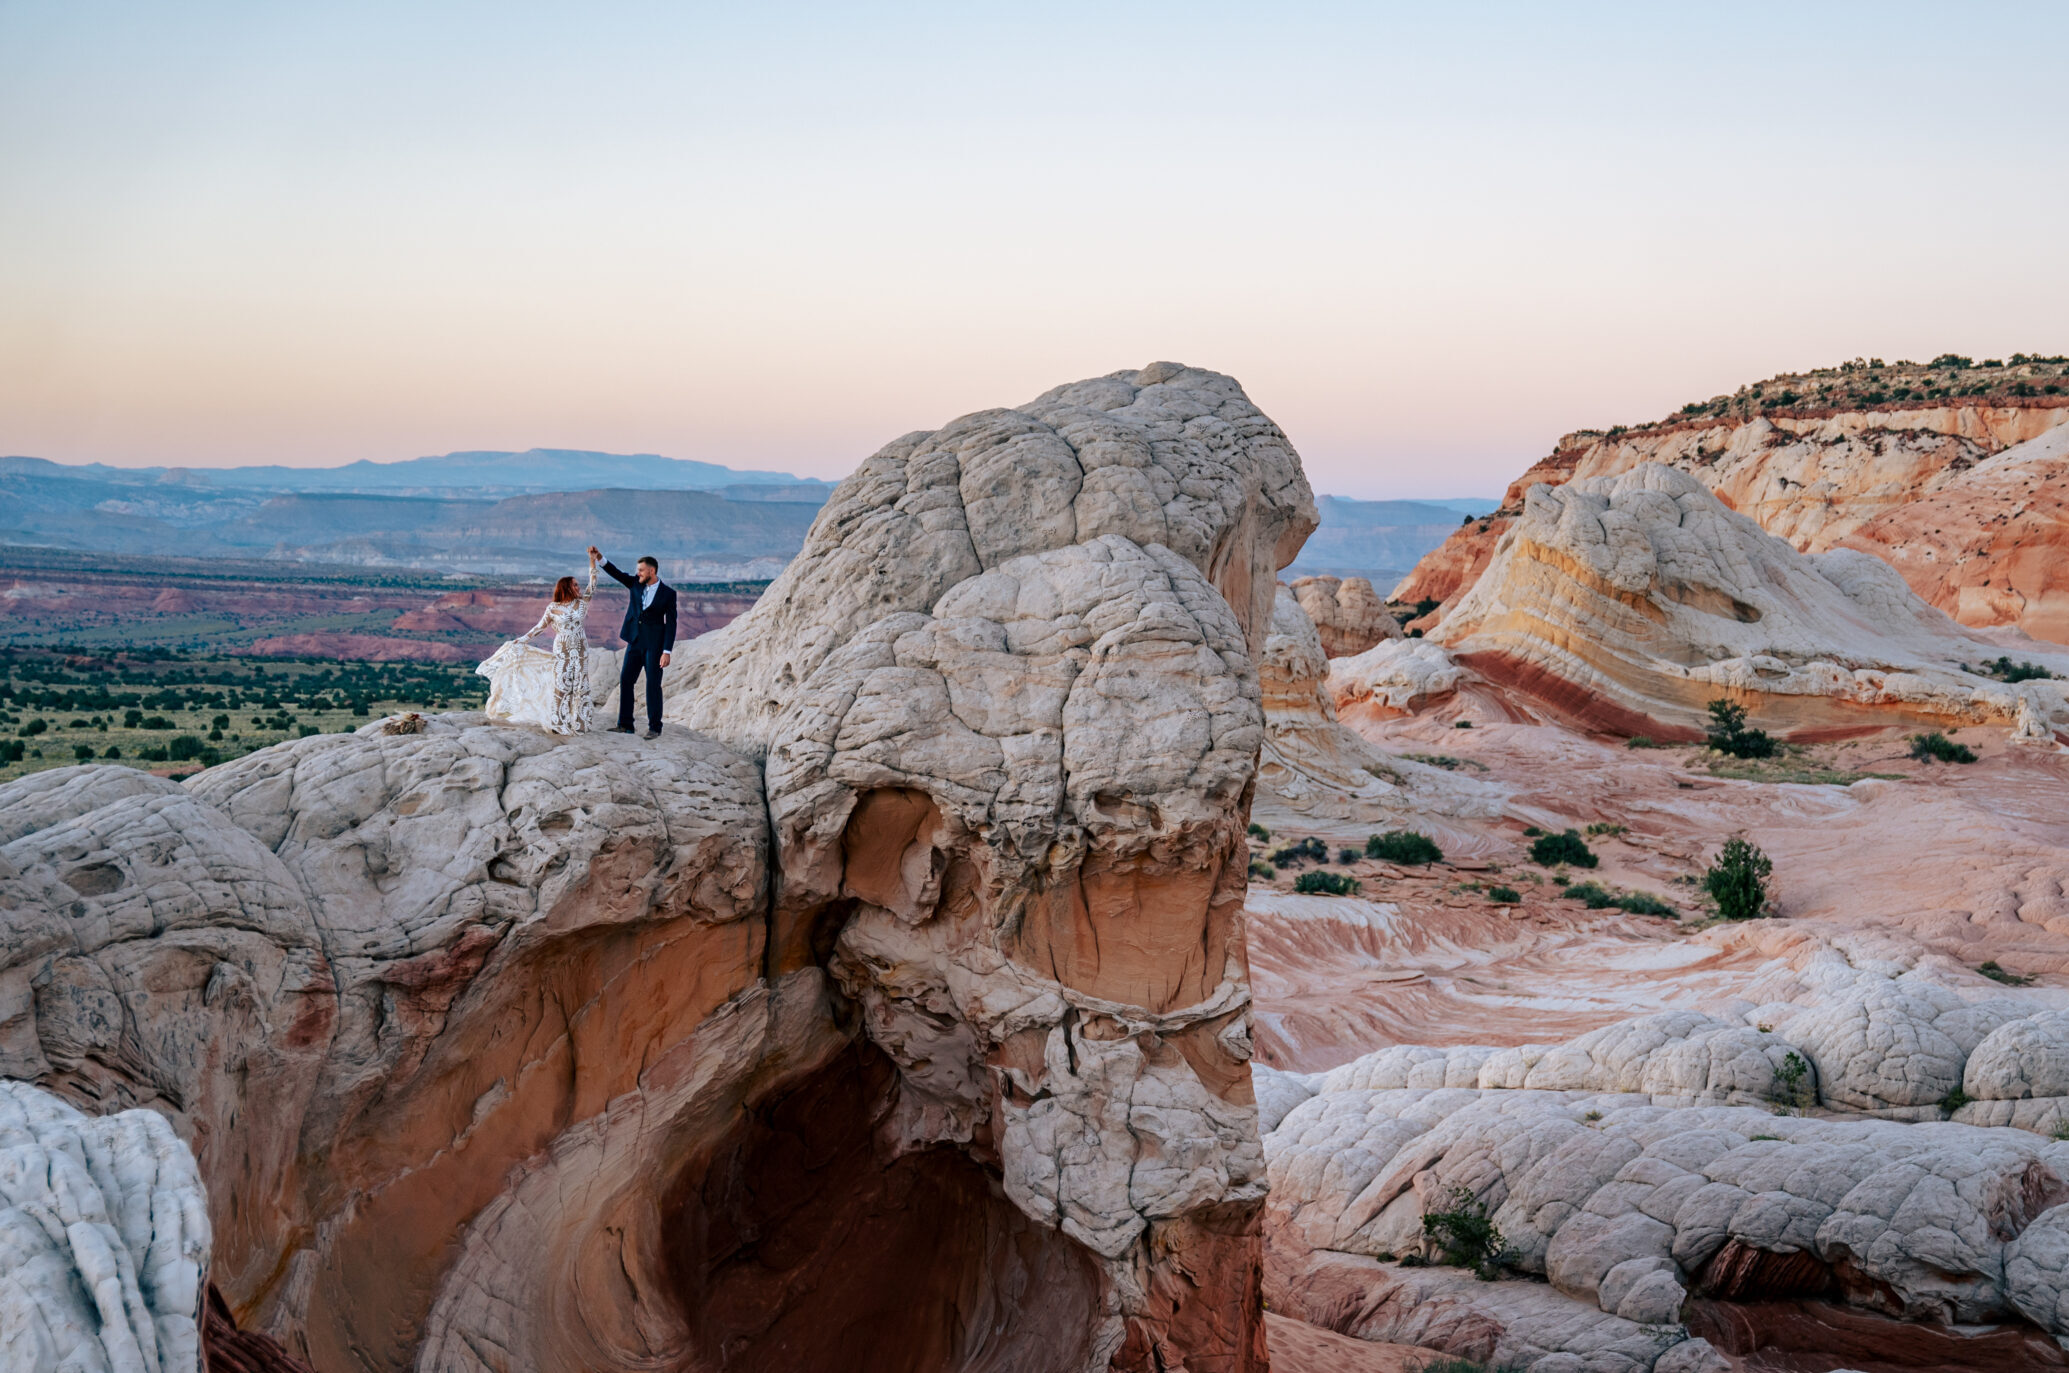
(104, 1240)
(899, 985)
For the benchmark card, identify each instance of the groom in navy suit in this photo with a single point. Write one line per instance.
(649, 635)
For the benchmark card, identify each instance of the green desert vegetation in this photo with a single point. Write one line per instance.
(1737, 881)
(1403, 846)
(1550, 850)
(164, 708)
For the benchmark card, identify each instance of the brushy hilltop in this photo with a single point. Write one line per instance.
(1870, 383)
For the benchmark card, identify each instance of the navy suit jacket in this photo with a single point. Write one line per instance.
(658, 617)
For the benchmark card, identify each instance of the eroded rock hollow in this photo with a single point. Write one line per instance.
(889, 1011)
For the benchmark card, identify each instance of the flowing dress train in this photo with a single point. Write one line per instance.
(529, 685)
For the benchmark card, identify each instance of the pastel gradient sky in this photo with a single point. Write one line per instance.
(1427, 238)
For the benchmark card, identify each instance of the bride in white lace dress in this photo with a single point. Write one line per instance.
(529, 685)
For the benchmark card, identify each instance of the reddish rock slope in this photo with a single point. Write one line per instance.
(1816, 473)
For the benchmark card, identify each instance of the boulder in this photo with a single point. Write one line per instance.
(1395, 678)
(1348, 614)
(1895, 1043)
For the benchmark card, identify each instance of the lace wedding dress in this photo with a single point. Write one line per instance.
(529, 685)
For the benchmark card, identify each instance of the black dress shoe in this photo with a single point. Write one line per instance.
(651, 734)
(621, 729)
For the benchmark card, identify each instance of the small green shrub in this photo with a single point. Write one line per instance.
(2010, 671)
(185, 748)
(1644, 903)
(1322, 882)
(1728, 734)
(1953, 1101)
(1550, 850)
(33, 728)
(1737, 881)
(152, 755)
(1531, 831)
(1598, 897)
(1260, 833)
(1507, 896)
(1790, 1086)
(1263, 872)
(1465, 1235)
(112, 752)
(1445, 761)
(1603, 827)
(1461, 724)
(1308, 850)
(1642, 741)
(2004, 975)
(11, 751)
(1348, 856)
(1403, 846)
(1937, 747)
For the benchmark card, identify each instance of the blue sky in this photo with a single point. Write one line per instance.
(1428, 239)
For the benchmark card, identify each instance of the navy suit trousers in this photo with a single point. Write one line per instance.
(643, 654)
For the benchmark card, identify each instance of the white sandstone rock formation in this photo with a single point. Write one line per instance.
(1314, 767)
(1348, 614)
(1628, 602)
(487, 1040)
(1666, 1157)
(1394, 678)
(104, 1240)
(1603, 1192)
(1901, 1043)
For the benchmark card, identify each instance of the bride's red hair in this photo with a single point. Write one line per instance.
(565, 590)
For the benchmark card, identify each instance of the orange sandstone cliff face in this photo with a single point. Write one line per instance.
(889, 1012)
(1991, 546)
(1815, 477)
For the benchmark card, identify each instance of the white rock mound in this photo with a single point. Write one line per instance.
(1314, 767)
(1610, 1196)
(1393, 678)
(1349, 615)
(1631, 601)
(104, 1240)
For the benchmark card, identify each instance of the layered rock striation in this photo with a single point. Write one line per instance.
(1313, 767)
(1987, 545)
(1629, 602)
(1820, 476)
(889, 1012)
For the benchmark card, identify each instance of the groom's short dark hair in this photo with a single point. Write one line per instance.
(650, 562)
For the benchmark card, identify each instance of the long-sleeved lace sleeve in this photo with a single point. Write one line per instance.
(529, 634)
